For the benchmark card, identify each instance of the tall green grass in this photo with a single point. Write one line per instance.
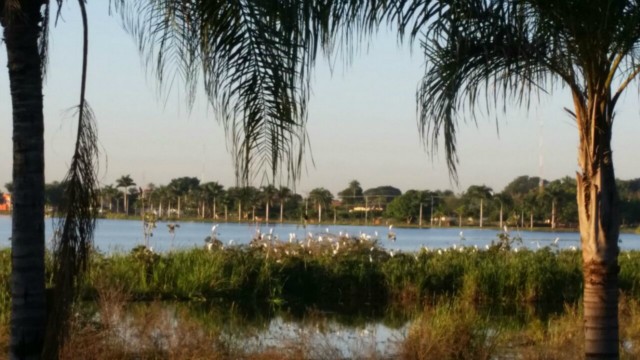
(359, 275)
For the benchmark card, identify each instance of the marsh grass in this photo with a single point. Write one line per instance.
(342, 277)
(449, 330)
(348, 275)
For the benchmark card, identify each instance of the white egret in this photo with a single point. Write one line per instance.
(391, 235)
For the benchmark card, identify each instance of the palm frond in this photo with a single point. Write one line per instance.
(509, 50)
(254, 59)
(73, 237)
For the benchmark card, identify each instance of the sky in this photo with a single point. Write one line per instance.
(362, 122)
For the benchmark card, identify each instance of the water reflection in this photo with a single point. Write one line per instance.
(163, 327)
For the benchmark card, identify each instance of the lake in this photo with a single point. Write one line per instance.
(123, 235)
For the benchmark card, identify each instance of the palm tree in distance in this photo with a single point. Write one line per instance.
(513, 49)
(109, 192)
(283, 194)
(479, 193)
(213, 192)
(269, 193)
(125, 182)
(322, 198)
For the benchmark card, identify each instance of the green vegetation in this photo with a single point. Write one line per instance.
(357, 274)
(443, 292)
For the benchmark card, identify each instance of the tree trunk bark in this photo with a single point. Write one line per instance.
(598, 208)
(28, 305)
(267, 215)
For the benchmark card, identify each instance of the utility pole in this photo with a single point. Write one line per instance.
(366, 210)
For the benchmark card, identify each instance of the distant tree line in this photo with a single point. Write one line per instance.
(526, 201)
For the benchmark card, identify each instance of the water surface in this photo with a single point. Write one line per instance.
(123, 235)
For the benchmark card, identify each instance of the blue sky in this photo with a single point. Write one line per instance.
(362, 122)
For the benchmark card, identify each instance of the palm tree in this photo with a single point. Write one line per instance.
(213, 193)
(125, 182)
(109, 192)
(234, 197)
(25, 25)
(482, 193)
(164, 197)
(21, 34)
(511, 49)
(256, 60)
(504, 200)
(321, 197)
(269, 194)
(283, 194)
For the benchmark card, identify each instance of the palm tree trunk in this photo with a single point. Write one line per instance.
(213, 210)
(531, 220)
(226, 213)
(28, 305)
(267, 215)
(481, 211)
(281, 211)
(553, 214)
(598, 208)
